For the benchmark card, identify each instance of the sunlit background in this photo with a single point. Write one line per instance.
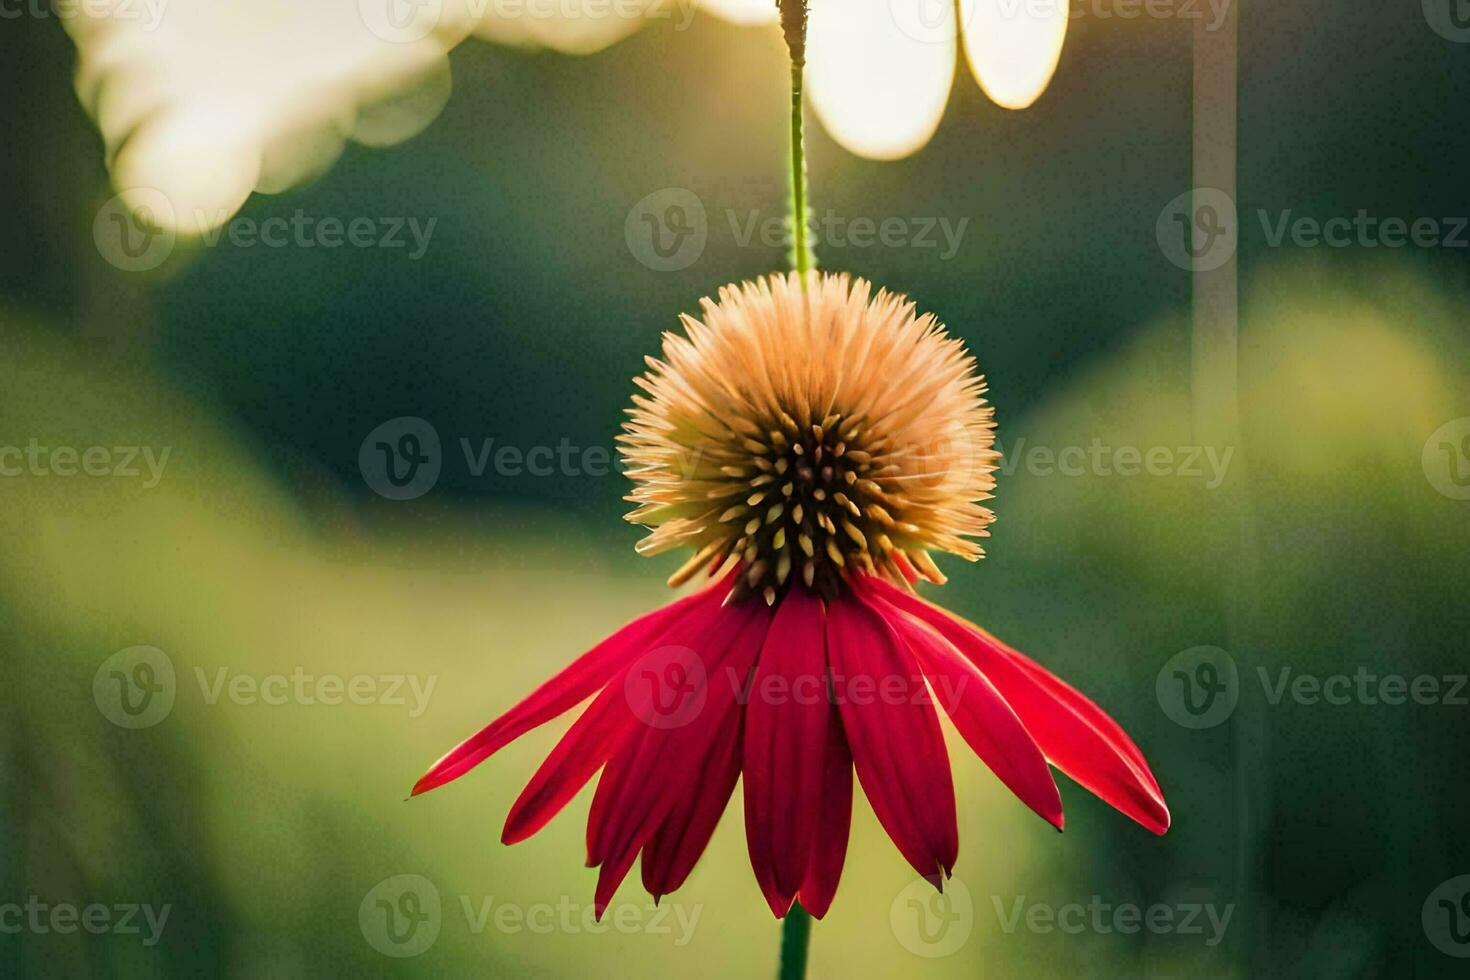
(485, 223)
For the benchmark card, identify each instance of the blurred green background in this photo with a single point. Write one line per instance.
(1335, 540)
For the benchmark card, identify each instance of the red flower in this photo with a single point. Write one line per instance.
(820, 445)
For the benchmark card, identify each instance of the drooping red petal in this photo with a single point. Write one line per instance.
(661, 763)
(583, 750)
(829, 842)
(667, 684)
(897, 747)
(1075, 735)
(982, 717)
(786, 722)
(674, 849)
(1078, 702)
(585, 675)
(609, 876)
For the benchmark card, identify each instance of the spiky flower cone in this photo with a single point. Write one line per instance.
(805, 432)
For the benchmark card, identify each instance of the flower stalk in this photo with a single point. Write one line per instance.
(796, 933)
(793, 25)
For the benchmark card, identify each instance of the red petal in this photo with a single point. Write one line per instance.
(672, 852)
(982, 717)
(583, 750)
(659, 766)
(1074, 734)
(689, 647)
(897, 747)
(609, 877)
(786, 722)
(585, 675)
(829, 843)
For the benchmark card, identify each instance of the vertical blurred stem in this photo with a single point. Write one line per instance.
(796, 932)
(1217, 422)
(793, 24)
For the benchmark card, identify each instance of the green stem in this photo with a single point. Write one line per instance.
(793, 23)
(796, 932)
